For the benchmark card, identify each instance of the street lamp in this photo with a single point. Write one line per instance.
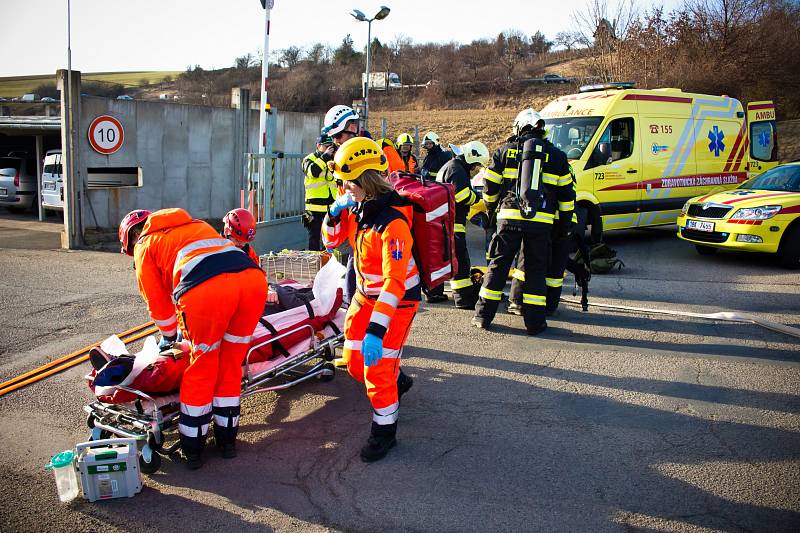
(359, 16)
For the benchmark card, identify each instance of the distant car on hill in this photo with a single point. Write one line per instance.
(555, 78)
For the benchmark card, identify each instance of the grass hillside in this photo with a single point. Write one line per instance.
(19, 85)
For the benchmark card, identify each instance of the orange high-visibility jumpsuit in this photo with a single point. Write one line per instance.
(387, 296)
(393, 158)
(219, 294)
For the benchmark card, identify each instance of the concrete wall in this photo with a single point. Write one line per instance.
(190, 157)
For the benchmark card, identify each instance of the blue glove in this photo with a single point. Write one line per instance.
(345, 201)
(372, 349)
(165, 343)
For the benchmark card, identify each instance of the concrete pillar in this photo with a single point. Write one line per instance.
(72, 237)
(39, 170)
(240, 100)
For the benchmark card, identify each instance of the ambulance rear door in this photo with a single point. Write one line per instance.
(669, 166)
(763, 137)
(616, 167)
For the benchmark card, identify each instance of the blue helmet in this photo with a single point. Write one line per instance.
(114, 372)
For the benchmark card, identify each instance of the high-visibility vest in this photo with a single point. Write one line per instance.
(321, 190)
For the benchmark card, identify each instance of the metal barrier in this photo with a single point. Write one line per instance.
(273, 185)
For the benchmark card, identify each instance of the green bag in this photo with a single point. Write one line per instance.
(602, 259)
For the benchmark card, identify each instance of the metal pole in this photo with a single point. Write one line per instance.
(39, 176)
(366, 83)
(262, 142)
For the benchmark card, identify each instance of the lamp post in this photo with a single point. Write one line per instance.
(359, 16)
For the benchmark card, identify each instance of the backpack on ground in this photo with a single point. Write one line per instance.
(432, 226)
(602, 259)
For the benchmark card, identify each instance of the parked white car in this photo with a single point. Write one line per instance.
(53, 181)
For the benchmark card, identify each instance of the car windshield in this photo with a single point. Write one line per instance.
(783, 178)
(572, 134)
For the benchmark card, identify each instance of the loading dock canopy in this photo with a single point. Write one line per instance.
(29, 125)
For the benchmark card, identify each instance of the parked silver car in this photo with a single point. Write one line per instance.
(17, 182)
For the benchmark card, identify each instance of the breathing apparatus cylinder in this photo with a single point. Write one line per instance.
(530, 178)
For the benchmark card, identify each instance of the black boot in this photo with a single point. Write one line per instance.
(404, 384)
(380, 441)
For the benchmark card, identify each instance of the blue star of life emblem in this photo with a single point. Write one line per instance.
(716, 145)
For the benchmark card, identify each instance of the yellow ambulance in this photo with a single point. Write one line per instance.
(639, 155)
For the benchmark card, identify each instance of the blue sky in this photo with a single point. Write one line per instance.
(116, 35)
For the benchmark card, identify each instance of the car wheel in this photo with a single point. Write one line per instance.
(16, 209)
(705, 250)
(789, 249)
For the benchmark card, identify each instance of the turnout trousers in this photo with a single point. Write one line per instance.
(218, 318)
(505, 245)
(554, 278)
(380, 379)
(464, 295)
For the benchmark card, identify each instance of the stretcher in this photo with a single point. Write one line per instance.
(151, 419)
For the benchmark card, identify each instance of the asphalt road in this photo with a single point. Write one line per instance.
(610, 421)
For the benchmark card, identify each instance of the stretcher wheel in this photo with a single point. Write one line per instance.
(90, 421)
(151, 467)
(327, 376)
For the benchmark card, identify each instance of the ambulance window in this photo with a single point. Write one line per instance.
(762, 141)
(615, 143)
(572, 134)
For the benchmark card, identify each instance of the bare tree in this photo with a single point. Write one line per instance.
(512, 46)
(567, 39)
(602, 30)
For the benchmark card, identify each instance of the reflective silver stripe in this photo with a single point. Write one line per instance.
(223, 420)
(456, 284)
(459, 228)
(195, 410)
(518, 274)
(352, 345)
(166, 322)
(463, 194)
(225, 401)
(549, 179)
(380, 318)
(444, 271)
(371, 291)
(566, 206)
(188, 267)
(565, 180)
(436, 213)
(236, 338)
(493, 176)
(205, 243)
(392, 353)
(489, 294)
(372, 277)
(412, 282)
(388, 298)
(169, 332)
(205, 348)
(317, 185)
(386, 415)
(490, 197)
(190, 431)
(533, 299)
(554, 282)
(411, 265)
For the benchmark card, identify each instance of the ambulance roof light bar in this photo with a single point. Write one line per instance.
(607, 86)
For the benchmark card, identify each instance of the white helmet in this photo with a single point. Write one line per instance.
(432, 137)
(336, 119)
(526, 117)
(475, 152)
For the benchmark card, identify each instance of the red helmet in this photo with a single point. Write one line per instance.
(240, 225)
(130, 220)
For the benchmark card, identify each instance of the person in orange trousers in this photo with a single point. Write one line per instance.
(190, 276)
(373, 216)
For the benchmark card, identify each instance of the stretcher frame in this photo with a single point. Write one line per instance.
(149, 422)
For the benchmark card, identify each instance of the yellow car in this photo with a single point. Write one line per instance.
(761, 215)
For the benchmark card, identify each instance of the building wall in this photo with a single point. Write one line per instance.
(188, 157)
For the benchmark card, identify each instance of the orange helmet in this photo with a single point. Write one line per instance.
(129, 221)
(239, 225)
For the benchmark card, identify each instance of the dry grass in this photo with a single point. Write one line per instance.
(493, 126)
(19, 85)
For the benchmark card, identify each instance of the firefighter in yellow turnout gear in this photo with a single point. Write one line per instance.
(527, 182)
(320, 189)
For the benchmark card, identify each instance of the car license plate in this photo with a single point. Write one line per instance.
(700, 225)
(3, 191)
(49, 185)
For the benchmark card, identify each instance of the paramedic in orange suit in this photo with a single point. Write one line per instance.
(379, 318)
(185, 268)
(239, 225)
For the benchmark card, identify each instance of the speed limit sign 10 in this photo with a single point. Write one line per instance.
(106, 134)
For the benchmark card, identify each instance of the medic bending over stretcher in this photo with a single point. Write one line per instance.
(190, 276)
(374, 217)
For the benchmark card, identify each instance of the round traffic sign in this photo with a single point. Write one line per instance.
(106, 134)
